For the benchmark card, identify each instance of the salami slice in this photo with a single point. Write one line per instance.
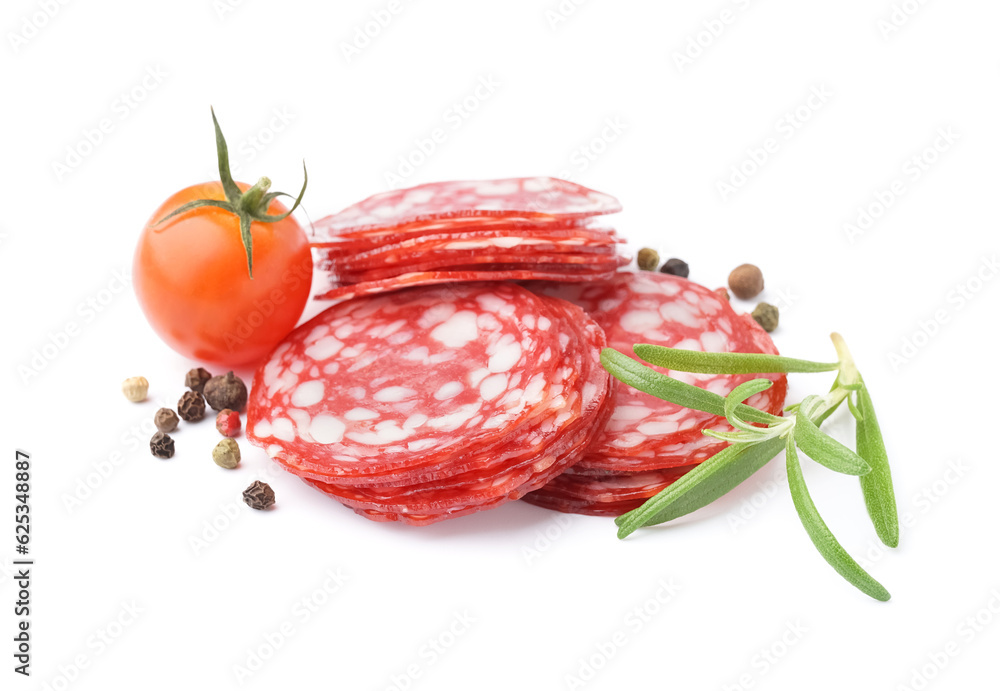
(325, 237)
(645, 433)
(515, 197)
(425, 278)
(609, 494)
(553, 264)
(401, 250)
(433, 402)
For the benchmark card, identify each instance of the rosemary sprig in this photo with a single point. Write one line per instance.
(760, 436)
(821, 536)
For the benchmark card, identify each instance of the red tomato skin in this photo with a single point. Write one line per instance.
(190, 277)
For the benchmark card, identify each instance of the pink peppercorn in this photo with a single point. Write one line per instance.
(228, 422)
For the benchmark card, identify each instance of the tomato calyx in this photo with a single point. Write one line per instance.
(248, 206)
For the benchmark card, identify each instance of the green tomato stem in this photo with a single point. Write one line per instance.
(247, 206)
(250, 202)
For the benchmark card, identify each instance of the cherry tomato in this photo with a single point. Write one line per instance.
(190, 275)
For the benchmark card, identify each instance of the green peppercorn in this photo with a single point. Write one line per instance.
(766, 315)
(226, 454)
(648, 259)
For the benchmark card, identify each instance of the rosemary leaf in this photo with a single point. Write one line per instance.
(704, 484)
(876, 486)
(740, 394)
(641, 377)
(824, 540)
(726, 363)
(826, 450)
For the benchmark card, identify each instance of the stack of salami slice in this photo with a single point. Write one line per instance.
(437, 386)
(433, 402)
(518, 228)
(649, 443)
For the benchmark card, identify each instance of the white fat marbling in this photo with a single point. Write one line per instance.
(506, 356)
(421, 444)
(653, 428)
(454, 420)
(477, 376)
(415, 421)
(458, 330)
(638, 321)
(326, 429)
(393, 394)
(355, 414)
(680, 313)
(385, 432)
(308, 393)
(630, 412)
(689, 344)
(714, 342)
(493, 303)
(418, 354)
(435, 315)
(493, 386)
(324, 348)
(283, 429)
(449, 390)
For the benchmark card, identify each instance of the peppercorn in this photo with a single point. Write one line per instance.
(648, 259)
(226, 391)
(746, 281)
(766, 315)
(195, 379)
(675, 267)
(135, 389)
(228, 423)
(226, 454)
(258, 495)
(722, 293)
(165, 420)
(161, 445)
(191, 407)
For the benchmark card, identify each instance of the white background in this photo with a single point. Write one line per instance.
(67, 236)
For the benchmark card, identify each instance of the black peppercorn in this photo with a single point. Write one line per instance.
(161, 445)
(165, 420)
(196, 379)
(675, 267)
(258, 496)
(226, 391)
(191, 407)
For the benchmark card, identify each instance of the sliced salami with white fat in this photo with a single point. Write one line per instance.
(645, 433)
(431, 402)
(515, 197)
(605, 494)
